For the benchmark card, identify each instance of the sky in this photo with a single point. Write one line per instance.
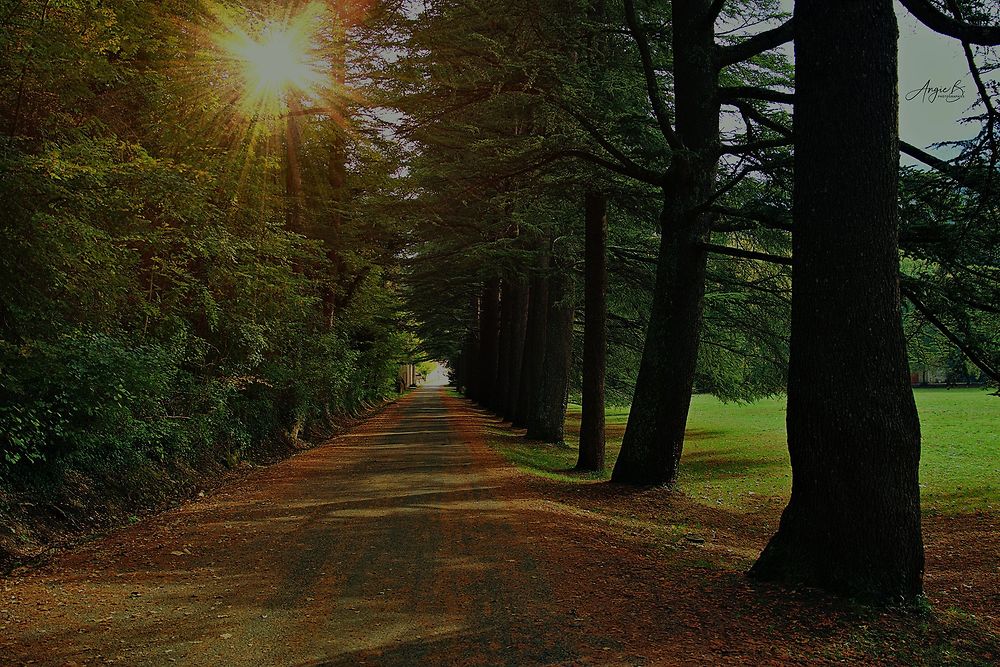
(927, 56)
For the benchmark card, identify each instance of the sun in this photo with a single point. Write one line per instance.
(277, 65)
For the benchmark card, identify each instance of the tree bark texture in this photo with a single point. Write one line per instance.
(548, 419)
(852, 524)
(502, 393)
(595, 334)
(529, 390)
(654, 436)
(519, 323)
(489, 341)
(470, 354)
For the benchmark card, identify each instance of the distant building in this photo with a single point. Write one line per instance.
(929, 375)
(941, 376)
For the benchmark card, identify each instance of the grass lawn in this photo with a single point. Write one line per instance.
(734, 450)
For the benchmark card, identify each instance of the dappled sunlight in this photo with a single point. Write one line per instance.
(427, 550)
(226, 580)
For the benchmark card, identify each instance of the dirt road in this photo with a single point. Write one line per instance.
(397, 543)
(407, 541)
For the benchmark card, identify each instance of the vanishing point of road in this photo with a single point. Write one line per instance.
(404, 541)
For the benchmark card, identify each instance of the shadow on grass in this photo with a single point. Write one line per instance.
(717, 464)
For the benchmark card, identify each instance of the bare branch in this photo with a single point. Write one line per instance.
(938, 21)
(966, 349)
(759, 43)
(731, 94)
(745, 254)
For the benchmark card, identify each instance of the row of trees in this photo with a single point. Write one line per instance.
(533, 125)
(189, 272)
(184, 279)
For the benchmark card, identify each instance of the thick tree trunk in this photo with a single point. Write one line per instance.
(489, 341)
(502, 393)
(457, 367)
(654, 437)
(529, 389)
(853, 522)
(547, 421)
(519, 323)
(595, 334)
(470, 355)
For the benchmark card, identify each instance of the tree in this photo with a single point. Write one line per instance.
(156, 306)
(536, 334)
(489, 341)
(853, 522)
(654, 437)
(547, 416)
(516, 121)
(595, 337)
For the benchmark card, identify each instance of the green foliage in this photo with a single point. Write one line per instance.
(511, 108)
(153, 306)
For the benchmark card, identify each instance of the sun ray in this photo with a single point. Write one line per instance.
(280, 60)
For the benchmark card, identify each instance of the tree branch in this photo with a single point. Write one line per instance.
(606, 144)
(759, 43)
(714, 11)
(956, 174)
(752, 113)
(745, 254)
(743, 149)
(649, 71)
(938, 21)
(970, 353)
(731, 94)
(770, 221)
(984, 93)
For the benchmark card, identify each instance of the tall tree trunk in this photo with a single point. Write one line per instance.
(595, 334)
(489, 340)
(502, 392)
(457, 367)
(547, 421)
(853, 522)
(518, 331)
(534, 343)
(654, 436)
(470, 355)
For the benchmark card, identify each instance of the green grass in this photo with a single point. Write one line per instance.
(735, 450)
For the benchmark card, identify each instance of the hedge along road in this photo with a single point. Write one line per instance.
(405, 541)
